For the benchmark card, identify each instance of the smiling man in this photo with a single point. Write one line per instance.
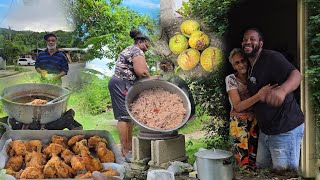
(279, 116)
(51, 62)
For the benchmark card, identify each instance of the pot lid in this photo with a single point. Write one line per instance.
(213, 154)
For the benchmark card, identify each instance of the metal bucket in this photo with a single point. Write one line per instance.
(27, 113)
(140, 86)
(214, 165)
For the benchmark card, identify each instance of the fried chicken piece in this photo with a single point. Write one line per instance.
(14, 163)
(77, 163)
(76, 148)
(33, 145)
(110, 172)
(75, 139)
(63, 170)
(35, 159)
(94, 140)
(53, 148)
(49, 170)
(56, 168)
(67, 155)
(94, 165)
(62, 140)
(86, 175)
(37, 101)
(84, 161)
(32, 173)
(14, 173)
(104, 154)
(16, 147)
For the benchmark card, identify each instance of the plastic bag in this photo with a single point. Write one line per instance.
(160, 175)
(118, 167)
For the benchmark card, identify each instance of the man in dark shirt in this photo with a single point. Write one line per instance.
(51, 61)
(279, 116)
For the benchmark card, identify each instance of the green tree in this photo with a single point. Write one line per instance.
(104, 26)
(11, 51)
(313, 70)
(210, 92)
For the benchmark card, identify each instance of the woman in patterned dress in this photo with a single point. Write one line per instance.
(131, 66)
(243, 125)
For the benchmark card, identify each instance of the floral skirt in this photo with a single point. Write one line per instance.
(244, 138)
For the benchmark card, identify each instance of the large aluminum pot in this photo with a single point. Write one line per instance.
(27, 114)
(214, 165)
(140, 86)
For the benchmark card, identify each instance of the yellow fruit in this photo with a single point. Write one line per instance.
(188, 59)
(178, 43)
(210, 58)
(189, 26)
(199, 40)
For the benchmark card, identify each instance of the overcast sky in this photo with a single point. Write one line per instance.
(48, 15)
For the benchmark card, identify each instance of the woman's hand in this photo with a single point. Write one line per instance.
(265, 90)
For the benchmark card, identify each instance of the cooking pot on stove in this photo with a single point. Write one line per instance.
(27, 113)
(150, 83)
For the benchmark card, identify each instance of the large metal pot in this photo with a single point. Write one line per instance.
(214, 165)
(27, 114)
(140, 86)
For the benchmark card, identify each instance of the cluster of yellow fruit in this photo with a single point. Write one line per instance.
(198, 41)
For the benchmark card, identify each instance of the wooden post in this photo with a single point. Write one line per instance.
(308, 146)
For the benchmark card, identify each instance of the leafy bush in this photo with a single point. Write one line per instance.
(94, 96)
(210, 92)
(212, 13)
(313, 70)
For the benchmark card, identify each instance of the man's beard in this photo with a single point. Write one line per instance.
(253, 53)
(53, 47)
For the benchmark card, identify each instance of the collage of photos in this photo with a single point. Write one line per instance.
(160, 89)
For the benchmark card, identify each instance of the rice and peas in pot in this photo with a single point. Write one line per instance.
(158, 108)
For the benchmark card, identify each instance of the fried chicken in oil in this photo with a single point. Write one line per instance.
(67, 155)
(37, 102)
(16, 147)
(94, 140)
(53, 149)
(110, 172)
(75, 139)
(86, 175)
(32, 173)
(104, 154)
(14, 173)
(35, 159)
(62, 140)
(33, 145)
(14, 163)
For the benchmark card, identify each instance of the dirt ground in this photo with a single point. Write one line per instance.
(266, 174)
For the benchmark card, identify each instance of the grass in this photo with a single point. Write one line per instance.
(192, 146)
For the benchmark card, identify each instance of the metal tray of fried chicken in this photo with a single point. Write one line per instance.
(81, 138)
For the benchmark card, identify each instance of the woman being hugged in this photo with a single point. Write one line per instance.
(131, 66)
(243, 124)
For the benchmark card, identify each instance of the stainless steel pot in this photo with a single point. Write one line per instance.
(140, 86)
(214, 165)
(31, 113)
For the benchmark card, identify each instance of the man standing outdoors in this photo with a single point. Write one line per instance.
(279, 116)
(51, 62)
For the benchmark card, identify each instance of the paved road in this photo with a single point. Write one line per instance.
(72, 79)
